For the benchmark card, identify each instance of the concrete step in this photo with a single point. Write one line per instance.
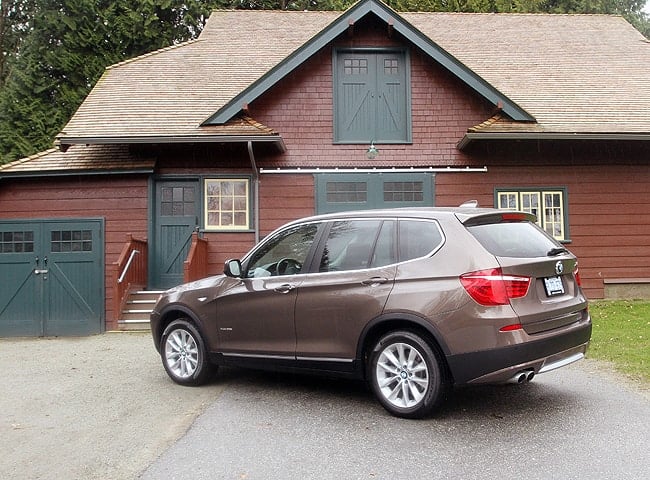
(134, 325)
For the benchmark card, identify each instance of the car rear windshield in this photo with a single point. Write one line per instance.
(514, 239)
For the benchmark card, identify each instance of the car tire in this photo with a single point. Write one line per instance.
(406, 375)
(184, 355)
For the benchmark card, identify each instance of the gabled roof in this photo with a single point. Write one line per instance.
(339, 26)
(552, 75)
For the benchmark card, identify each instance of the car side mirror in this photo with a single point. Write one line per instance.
(232, 268)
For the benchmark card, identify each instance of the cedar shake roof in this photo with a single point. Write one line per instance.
(171, 92)
(571, 74)
(79, 159)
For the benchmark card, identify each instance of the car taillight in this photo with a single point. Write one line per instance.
(576, 273)
(492, 287)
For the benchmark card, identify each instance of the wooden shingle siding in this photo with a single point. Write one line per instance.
(122, 202)
(223, 246)
(284, 198)
(301, 107)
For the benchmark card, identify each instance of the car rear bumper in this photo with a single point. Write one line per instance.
(534, 356)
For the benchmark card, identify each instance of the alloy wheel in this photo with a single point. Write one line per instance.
(402, 375)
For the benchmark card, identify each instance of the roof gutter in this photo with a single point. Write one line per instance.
(472, 137)
(317, 170)
(65, 142)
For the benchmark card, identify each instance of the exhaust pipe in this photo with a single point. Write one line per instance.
(521, 377)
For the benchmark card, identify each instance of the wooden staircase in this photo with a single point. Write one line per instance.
(139, 305)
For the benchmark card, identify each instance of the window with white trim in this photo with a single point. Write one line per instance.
(227, 204)
(548, 205)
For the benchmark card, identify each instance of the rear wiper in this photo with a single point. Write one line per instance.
(556, 251)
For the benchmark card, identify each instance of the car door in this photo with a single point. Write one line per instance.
(255, 314)
(354, 278)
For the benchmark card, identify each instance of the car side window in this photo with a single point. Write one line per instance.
(385, 253)
(418, 238)
(349, 245)
(284, 254)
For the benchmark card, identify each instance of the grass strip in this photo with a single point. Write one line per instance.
(621, 336)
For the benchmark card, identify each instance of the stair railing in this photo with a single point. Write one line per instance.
(195, 266)
(129, 271)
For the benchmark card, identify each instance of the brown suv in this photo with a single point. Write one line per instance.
(412, 300)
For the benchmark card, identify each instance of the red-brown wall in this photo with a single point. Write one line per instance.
(609, 212)
(120, 201)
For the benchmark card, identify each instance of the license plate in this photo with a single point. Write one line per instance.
(553, 286)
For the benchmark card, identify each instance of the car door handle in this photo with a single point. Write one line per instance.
(285, 288)
(374, 281)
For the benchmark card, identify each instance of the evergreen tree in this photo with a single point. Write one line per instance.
(58, 52)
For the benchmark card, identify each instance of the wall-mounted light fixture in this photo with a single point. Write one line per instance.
(372, 151)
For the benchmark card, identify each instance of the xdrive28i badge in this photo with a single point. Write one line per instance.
(559, 267)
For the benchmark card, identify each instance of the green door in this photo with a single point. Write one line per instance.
(51, 278)
(372, 98)
(176, 217)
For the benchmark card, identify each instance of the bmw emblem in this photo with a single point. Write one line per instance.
(559, 268)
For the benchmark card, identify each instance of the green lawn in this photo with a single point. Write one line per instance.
(621, 335)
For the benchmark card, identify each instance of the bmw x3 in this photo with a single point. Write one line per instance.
(413, 301)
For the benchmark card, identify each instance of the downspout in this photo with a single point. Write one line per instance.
(256, 193)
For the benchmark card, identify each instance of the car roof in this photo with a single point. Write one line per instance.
(462, 213)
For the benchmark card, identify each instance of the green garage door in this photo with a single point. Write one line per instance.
(51, 277)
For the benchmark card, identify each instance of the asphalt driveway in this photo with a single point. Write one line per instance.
(102, 407)
(98, 407)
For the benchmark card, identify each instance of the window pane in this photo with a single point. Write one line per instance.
(349, 245)
(227, 204)
(384, 253)
(167, 194)
(403, 191)
(513, 239)
(347, 192)
(418, 239)
(553, 214)
(69, 241)
(391, 66)
(283, 254)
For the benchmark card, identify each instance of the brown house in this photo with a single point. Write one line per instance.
(184, 157)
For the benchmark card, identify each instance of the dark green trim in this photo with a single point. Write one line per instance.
(339, 26)
(469, 138)
(189, 139)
